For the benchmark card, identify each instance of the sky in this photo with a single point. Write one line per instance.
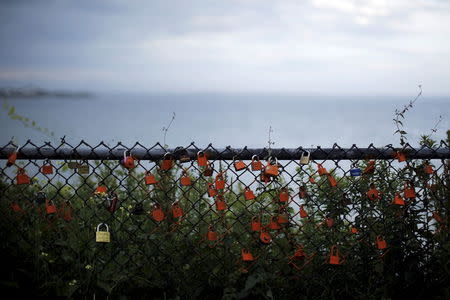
(357, 47)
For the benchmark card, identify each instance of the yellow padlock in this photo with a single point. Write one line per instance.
(304, 159)
(102, 236)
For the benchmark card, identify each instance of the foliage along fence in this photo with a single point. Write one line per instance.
(231, 223)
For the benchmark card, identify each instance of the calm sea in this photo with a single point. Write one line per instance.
(225, 119)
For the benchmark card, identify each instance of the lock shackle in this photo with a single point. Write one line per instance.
(106, 225)
(200, 152)
(20, 171)
(255, 157)
(125, 153)
(306, 153)
(270, 159)
(167, 154)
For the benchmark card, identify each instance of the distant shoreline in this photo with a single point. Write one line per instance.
(38, 93)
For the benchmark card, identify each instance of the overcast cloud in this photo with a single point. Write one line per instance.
(316, 46)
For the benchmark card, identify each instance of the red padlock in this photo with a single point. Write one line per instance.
(208, 170)
(284, 195)
(272, 168)
(66, 211)
(167, 162)
(256, 163)
(212, 234)
(400, 156)
(321, 170)
(202, 160)
(101, 189)
(437, 217)
(248, 194)
(381, 243)
(12, 158)
(329, 221)
(283, 219)
(247, 255)
(354, 230)
(265, 237)
(274, 225)
(50, 208)
(239, 165)
(177, 211)
(398, 200)
(373, 193)
(265, 178)
(409, 191)
(303, 213)
(157, 213)
(256, 224)
(22, 177)
(113, 201)
(428, 169)
(149, 178)
(47, 168)
(185, 179)
(335, 258)
(302, 194)
(312, 180)
(15, 207)
(370, 169)
(220, 203)
(299, 252)
(220, 182)
(331, 180)
(211, 191)
(128, 161)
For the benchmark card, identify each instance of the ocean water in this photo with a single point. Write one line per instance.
(225, 119)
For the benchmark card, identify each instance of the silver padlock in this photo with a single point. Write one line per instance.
(102, 236)
(304, 159)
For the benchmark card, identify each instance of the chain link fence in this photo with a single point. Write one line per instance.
(196, 222)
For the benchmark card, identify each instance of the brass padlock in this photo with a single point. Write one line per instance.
(102, 236)
(304, 159)
(72, 165)
(83, 168)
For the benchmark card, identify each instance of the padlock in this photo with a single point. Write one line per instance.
(40, 198)
(272, 168)
(220, 182)
(138, 209)
(373, 193)
(265, 178)
(22, 177)
(212, 192)
(185, 180)
(312, 180)
(247, 255)
(256, 224)
(239, 165)
(370, 168)
(50, 208)
(331, 180)
(400, 156)
(354, 230)
(299, 252)
(66, 211)
(355, 172)
(157, 213)
(202, 160)
(283, 219)
(284, 195)
(304, 159)
(436, 215)
(329, 221)
(16, 207)
(209, 169)
(303, 213)
(167, 162)
(381, 243)
(112, 202)
(128, 160)
(83, 168)
(321, 170)
(398, 200)
(72, 165)
(302, 194)
(149, 178)
(183, 155)
(428, 169)
(177, 211)
(265, 237)
(409, 191)
(248, 194)
(335, 259)
(212, 234)
(101, 189)
(220, 203)
(47, 168)
(256, 163)
(102, 236)
(12, 157)
(274, 225)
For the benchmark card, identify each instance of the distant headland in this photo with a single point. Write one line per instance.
(39, 92)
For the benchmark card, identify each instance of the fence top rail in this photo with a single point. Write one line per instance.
(157, 152)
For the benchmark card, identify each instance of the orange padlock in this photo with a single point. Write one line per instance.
(265, 178)
(274, 225)
(157, 213)
(220, 203)
(47, 168)
(212, 234)
(302, 192)
(22, 177)
(202, 159)
(177, 211)
(284, 195)
(101, 189)
(220, 182)
(409, 191)
(12, 157)
(332, 181)
(400, 156)
(149, 178)
(248, 194)
(381, 243)
(271, 168)
(167, 162)
(428, 169)
(335, 259)
(299, 252)
(303, 213)
(239, 165)
(208, 170)
(370, 169)
(283, 219)
(329, 221)
(256, 224)
(265, 237)
(373, 193)
(247, 255)
(185, 179)
(321, 170)
(50, 208)
(15, 207)
(211, 191)
(312, 180)
(256, 163)
(354, 230)
(398, 200)
(128, 161)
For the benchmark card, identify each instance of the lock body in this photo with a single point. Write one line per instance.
(102, 237)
